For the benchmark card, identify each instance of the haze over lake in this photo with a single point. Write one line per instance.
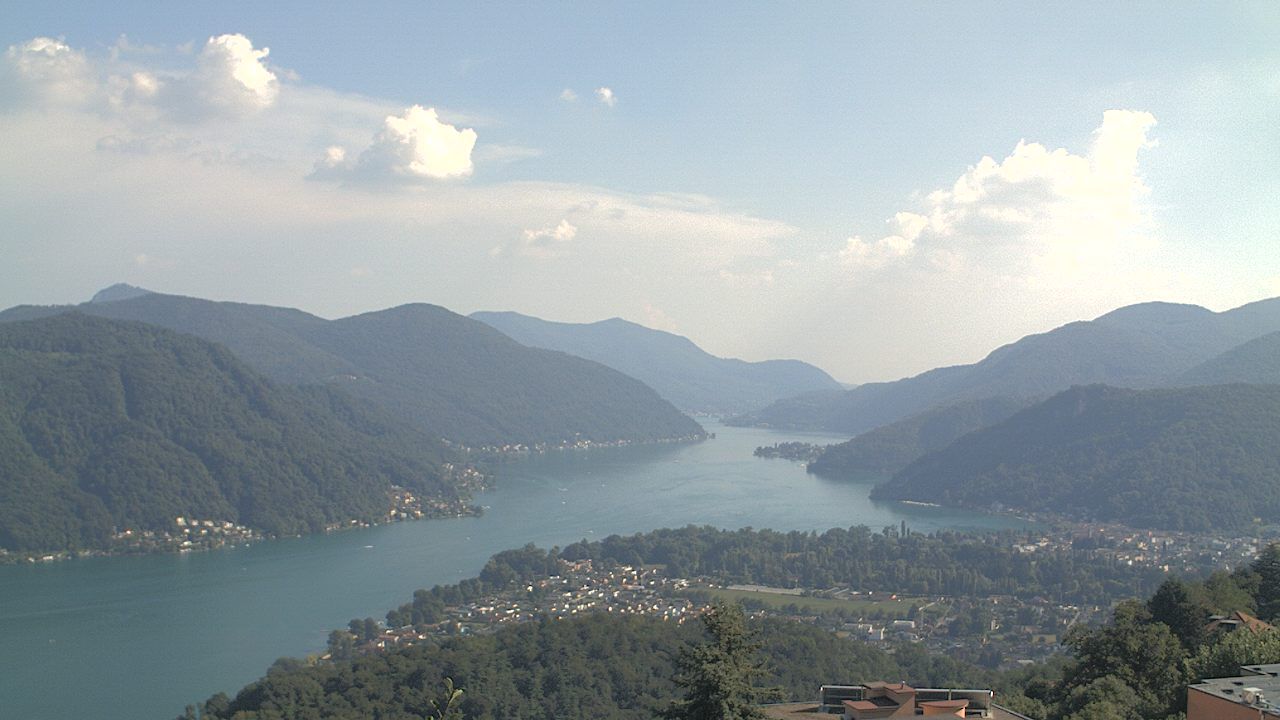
(140, 637)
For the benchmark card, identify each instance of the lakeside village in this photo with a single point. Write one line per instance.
(999, 631)
(189, 534)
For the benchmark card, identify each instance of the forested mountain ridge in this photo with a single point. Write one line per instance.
(890, 448)
(1139, 346)
(1200, 458)
(683, 373)
(449, 376)
(107, 425)
(1256, 362)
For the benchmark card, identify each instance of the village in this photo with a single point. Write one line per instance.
(999, 631)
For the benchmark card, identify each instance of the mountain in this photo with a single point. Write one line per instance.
(448, 375)
(683, 373)
(119, 291)
(1257, 361)
(1199, 458)
(890, 448)
(108, 424)
(1140, 346)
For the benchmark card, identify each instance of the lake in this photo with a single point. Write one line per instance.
(136, 638)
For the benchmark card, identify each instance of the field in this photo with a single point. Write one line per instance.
(898, 608)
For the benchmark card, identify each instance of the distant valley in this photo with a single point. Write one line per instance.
(682, 373)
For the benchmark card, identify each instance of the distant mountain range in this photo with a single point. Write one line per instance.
(683, 373)
(1199, 458)
(107, 425)
(449, 376)
(1140, 346)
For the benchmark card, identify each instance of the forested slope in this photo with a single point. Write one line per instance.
(448, 375)
(1200, 458)
(890, 448)
(107, 425)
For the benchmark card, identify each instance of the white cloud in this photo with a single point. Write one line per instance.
(657, 319)
(411, 146)
(230, 77)
(545, 242)
(1038, 212)
(568, 95)
(605, 96)
(48, 71)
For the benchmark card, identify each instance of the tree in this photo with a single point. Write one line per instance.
(1239, 647)
(1174, 605)
(342, 645)
(444, 708)
(717, 677)
(1106, 698)
(1267, 567)
(1134, 651)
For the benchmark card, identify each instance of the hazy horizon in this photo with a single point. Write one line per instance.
(876, 190)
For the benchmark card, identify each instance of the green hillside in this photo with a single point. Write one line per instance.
(1201, 458)
(449, 376)
(109, 425)
(888, 449)
(683, 373)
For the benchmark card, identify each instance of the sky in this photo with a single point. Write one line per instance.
(876, 188)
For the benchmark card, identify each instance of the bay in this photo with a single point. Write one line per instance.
(131, 638)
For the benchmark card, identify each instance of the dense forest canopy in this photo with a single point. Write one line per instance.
(1255, 362)
(1200, 458)
(108, 425)
(888, 449)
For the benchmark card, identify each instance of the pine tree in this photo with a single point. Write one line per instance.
(718, 676)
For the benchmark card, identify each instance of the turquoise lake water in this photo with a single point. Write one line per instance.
(138, 638)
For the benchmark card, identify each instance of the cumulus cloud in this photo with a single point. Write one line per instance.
(1037, 210)
(229, 78)
(548, 241)
(568, 95)
(606, 97)
(48, 71)
(414, 145)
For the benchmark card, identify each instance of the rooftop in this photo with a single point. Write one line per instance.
(1258, 686)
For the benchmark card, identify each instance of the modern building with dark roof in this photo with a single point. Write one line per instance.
(1252, 695)
(876, 700)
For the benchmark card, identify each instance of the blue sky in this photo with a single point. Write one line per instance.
(770, 179)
